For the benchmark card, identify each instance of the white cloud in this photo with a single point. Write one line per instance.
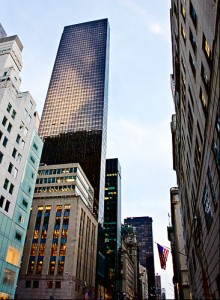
(153, 25)
(148, 144)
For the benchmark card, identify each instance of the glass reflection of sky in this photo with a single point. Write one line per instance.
(77, 101)
(76, 94)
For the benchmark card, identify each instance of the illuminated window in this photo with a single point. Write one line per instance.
(183, 12)
(62, 249)
(44, 234)
(49, 284)
(33, 249)
(56, 233)
(203, 100)
(206, 48)
(12, 256)
(42, 249)
(36, 234)
(52, 267)
(48, 208)
(31, 267)
(60, 267)
(64, 233)
(54, 249)
(183, 34)
(39, 266)
(59, 208)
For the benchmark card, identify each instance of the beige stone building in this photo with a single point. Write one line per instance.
(196, 137)
(178, 245)
(143, 282)
(59, 259)
(128, 273)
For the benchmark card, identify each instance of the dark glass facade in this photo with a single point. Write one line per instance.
(144, 233)
(74, 120)
(112, 221)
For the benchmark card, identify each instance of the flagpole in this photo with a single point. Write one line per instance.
(171, 249)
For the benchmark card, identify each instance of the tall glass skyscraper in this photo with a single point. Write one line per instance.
(144, 234)
(112, 222)
(74, 120)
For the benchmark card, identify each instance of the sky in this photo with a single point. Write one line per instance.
(140, 103)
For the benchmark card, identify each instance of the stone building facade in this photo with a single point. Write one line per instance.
(59, 259)
(196, 137)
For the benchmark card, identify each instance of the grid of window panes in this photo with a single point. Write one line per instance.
(64, 180)
(59, 240)
(77, 90)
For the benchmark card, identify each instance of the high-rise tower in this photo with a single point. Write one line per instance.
(144, 232)
(74, 119)
(196, 137)
(20, 151)
(112, 221)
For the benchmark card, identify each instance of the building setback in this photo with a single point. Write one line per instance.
(144, 233)
(20, 151)
(112, 222)
(196, 137)
(61, 244)
(74, 120)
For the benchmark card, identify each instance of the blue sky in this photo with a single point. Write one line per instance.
(140, 100)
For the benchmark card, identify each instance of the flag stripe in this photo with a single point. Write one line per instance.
(163, 255)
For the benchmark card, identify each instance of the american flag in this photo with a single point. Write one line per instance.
(163, 254)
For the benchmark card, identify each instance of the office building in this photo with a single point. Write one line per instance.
(20, 151)
(129, 263)
(74, 120)
(112, 222)
(178, 245)
(61, 245)
(196, 137)
(143, 281)
(158, 286)
(144, 233)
